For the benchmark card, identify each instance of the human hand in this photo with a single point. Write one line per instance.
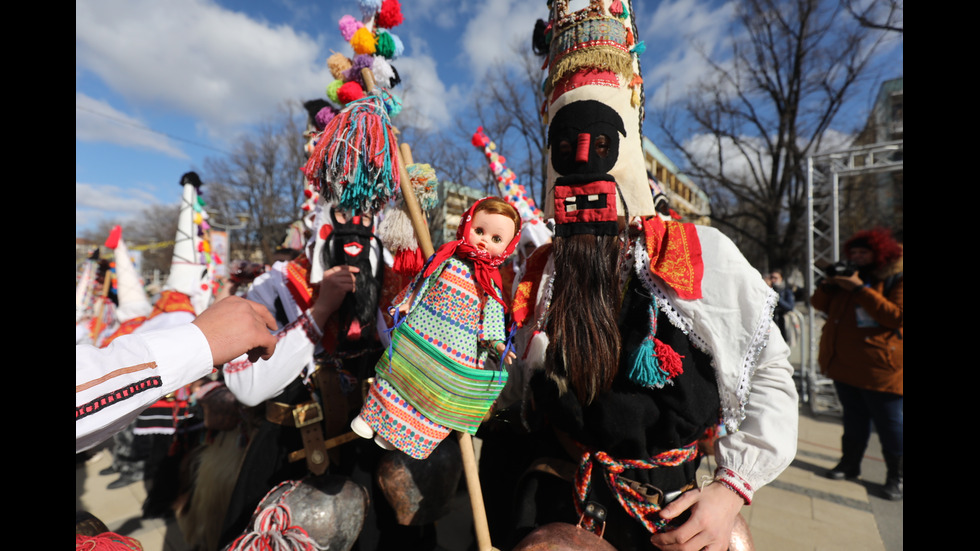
(510, 357)
(336, 283)
(709, 528)
(234, 326)
(848, 283)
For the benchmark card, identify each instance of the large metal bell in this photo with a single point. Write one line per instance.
(741, 537)
(560, 536)
(330, 508)
(420, 491)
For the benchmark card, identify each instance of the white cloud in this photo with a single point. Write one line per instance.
(97, 121)
(441, 12)
(94, 202)
(491, 35)
(196, 58)
(426, 99)
(736, 166)
(675, 34)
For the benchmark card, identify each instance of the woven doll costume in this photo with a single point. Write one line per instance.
(432, 381)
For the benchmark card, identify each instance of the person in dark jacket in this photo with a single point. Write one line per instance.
(861, 349)
(786, 301)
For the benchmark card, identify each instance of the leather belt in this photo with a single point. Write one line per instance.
(337, 405)
(306, 417)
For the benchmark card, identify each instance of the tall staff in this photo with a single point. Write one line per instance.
(470, 469)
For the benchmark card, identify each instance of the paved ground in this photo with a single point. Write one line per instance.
(799, 511)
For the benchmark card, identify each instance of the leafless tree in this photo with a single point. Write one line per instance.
(886, 15)
(508, 109)
(260, 178)
(794, 64)
(151, 233)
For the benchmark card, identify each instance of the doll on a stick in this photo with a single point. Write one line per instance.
(433, 379)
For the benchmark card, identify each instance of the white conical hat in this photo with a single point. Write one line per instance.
(188, 270)
(133, 301)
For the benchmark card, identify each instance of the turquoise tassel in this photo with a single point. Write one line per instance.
(639, 48)
(645, 368)
(654, 363)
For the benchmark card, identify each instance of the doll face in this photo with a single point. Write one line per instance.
(491, 232)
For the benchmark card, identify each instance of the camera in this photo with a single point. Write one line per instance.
(841, 268)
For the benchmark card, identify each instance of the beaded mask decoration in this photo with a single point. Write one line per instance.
(594, 97)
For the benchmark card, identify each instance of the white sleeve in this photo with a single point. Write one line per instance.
(253, 383)
(765, 443)
(113, 384)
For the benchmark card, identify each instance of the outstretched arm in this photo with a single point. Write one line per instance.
(114, 384)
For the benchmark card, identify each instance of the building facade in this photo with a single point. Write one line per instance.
(685, 197)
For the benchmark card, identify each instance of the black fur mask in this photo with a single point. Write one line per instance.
(352, 242)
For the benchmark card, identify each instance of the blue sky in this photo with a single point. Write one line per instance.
(159, 86)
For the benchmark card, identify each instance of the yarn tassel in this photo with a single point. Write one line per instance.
(353, 163)
(654, 363)
(670, 360)
(616, 8)
(644, 367)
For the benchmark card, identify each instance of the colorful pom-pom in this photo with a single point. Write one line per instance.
(338, 63)
(399, 47)
(369, 7)
(349, 92)
(353, 74)
(392, 104)
(363, 41)
(323, 117)
(386, 45)
(383, 73)
(332, 89)
(390, 14)
(348, 26)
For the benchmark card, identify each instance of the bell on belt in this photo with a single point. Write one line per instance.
(420, 491)
(330, 508)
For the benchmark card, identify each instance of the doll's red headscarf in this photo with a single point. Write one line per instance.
(484, 265)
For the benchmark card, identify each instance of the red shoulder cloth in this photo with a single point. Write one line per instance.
(675, 255)
(522, 307)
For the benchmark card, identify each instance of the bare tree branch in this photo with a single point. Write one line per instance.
(766, 106)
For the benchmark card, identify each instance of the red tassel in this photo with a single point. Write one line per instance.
(408, 262)
(616, 8)
(670, 360)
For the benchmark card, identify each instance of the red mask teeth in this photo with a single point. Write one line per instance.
(582, 151)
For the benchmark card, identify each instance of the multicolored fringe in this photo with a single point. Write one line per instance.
(273, 529)
(594, 43)
(355, 162)
(631, 500)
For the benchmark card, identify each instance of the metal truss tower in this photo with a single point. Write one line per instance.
(824, 172)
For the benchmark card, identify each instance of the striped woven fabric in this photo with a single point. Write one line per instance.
(450, 394)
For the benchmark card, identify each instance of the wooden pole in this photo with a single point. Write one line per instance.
(470, 468)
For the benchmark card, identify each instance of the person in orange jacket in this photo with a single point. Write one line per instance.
(861, 349)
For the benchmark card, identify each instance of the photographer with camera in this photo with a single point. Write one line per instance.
(861, 349)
